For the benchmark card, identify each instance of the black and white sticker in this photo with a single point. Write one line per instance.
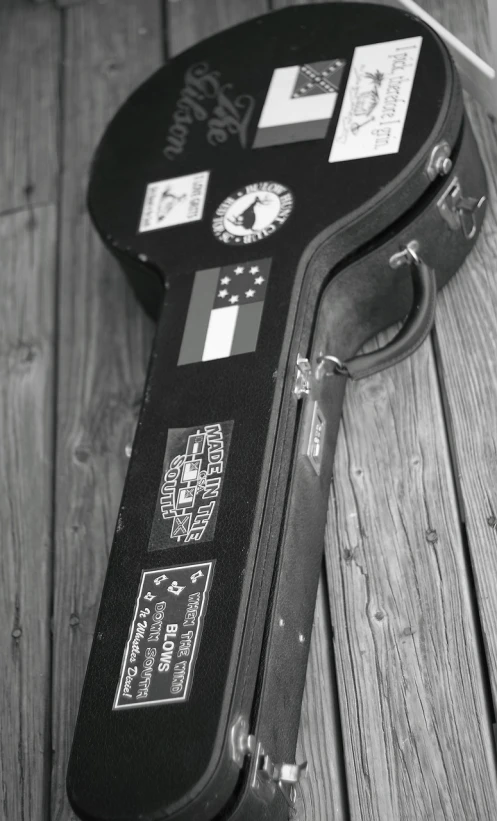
(252, 213)
(174, 202)
(164, 636)
(191, 485)
(376, 100)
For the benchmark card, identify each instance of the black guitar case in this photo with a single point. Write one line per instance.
(276, 195)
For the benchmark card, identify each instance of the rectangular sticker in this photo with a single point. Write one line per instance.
(225, 311)
(376, 100)
(191, 485)
(164, 636)
(174, 202)
(299, 103)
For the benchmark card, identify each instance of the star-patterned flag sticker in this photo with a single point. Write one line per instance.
(225, 311)
(246, 283)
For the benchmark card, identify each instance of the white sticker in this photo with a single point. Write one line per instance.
(376, 100)
(174, 202)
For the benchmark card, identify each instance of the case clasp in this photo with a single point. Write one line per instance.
(303, 377)
(458, 211)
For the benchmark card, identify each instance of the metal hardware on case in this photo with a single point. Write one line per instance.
(315, 444)
(406, 255)
(458, 211)
(242, 744)
(303, 376)
(338, 367)
(268, 776)
(439, 163)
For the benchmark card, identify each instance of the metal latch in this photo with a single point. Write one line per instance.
(303, 377)
(458, 211)
(306, 379)
(267, 776)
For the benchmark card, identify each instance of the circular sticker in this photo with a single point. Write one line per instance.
(252, 213)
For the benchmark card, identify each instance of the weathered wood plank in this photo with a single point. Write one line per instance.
(104, 344)
(467, 336)
(27, 265)
(29, 57)
(322, 795)
(417, 731)
(190, 20)
(468, 21)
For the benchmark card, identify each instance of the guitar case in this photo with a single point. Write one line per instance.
(276, 195)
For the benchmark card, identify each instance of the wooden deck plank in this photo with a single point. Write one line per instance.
(467, 336)
(417, 730)
(322, 795)
(104, 344)
(27, 266)
(29, 58)
(28, 177)
(189, 22)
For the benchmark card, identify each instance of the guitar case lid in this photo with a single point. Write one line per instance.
(217, 117)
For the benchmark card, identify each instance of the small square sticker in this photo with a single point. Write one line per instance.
(174, 202)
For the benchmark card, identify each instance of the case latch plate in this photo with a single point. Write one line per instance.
(458, 211)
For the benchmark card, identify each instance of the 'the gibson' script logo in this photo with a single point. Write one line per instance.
(224, 116)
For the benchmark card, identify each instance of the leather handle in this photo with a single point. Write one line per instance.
(413, 332)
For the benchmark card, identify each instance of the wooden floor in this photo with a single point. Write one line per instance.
(398, 715)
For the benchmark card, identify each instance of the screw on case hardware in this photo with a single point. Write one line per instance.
(439, 164)
(242, 744)
(458, 211)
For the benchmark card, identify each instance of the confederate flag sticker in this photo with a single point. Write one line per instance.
(300, 103)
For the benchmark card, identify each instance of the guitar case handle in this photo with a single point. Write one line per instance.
(414, 331)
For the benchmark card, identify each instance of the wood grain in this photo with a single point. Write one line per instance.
(467, 336)
(321, 796)
(104, 343)
(27, 265)
(29, 57)
(28, 236)
(189, 21)
(417, 731)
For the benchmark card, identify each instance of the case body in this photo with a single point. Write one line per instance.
(330, 287)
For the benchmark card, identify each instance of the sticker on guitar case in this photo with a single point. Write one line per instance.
(164, 636)
(174, 202)
(191, 485)
(376, 100)
(225, 311)
(300, 103)
(252, 213)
